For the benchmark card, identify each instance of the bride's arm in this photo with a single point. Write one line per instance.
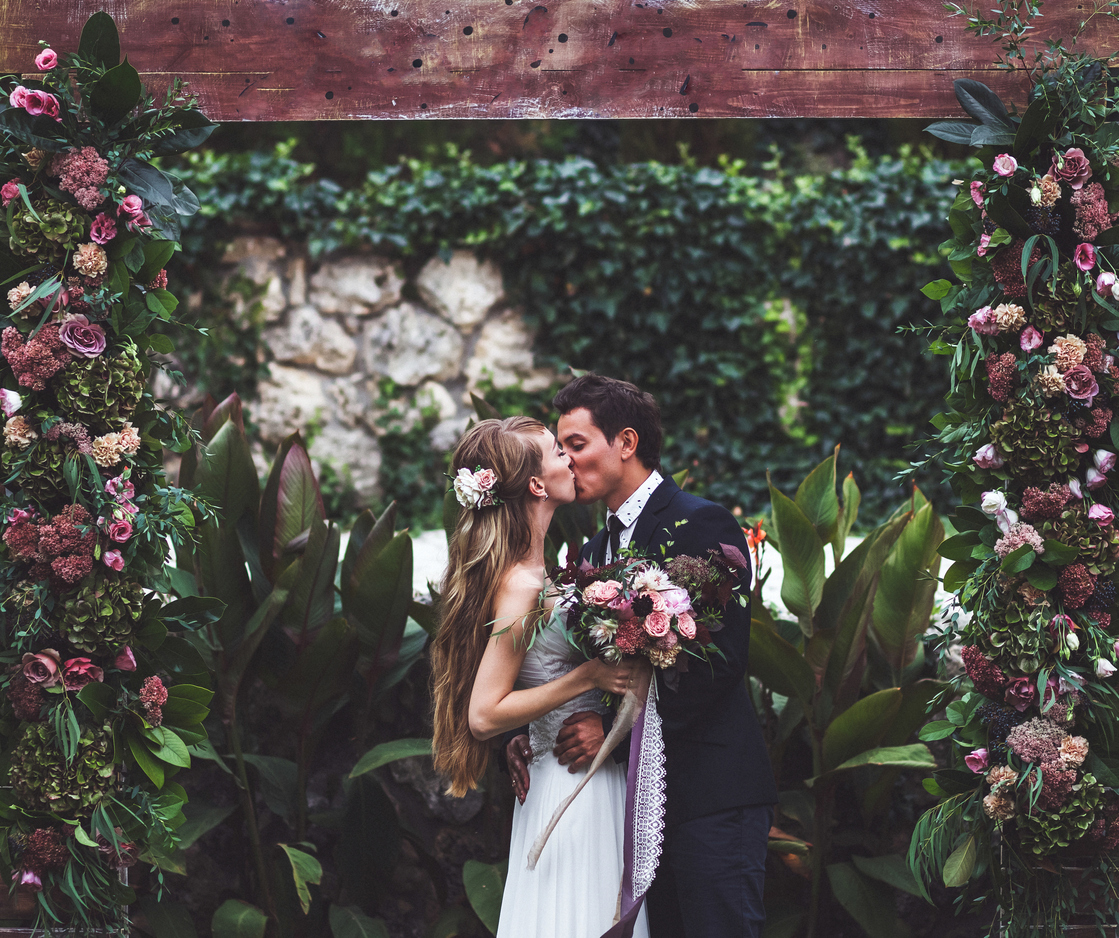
(494, 706)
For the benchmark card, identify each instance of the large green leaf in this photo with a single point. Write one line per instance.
(802, 559)
(869, 903)
(148, 764)
(913, 712)
(100, 42)
(907, 590)
(381, 592)
(348, 921)
(116, 93)
(369, 841)
(848, 513)
(305, 871)
(278, 784)
(375, 537)
(390, 752)
(778, 665)
(982, 104)
(484, 884)
(189, 128)
(860, 726)
(227, 475)
(200, 820)
(167, 746)
(311, 603)
(913, 756)
(298, 502)
(358, 533)
(960, 864)
(237, 919)
(817, 499)
(891, 869)
(167, 918)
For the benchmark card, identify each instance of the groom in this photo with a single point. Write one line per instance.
(720, 784)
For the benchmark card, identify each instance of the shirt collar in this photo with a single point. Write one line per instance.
(635, 504)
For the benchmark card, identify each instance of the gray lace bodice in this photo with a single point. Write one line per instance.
(551, 656)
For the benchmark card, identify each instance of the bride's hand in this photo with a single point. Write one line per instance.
(613, 678)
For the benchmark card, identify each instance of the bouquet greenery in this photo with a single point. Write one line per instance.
(1029, 439)
(102, 692)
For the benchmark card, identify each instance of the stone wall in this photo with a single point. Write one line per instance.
(334, 330)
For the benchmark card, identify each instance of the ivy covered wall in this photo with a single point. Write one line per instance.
(763, 311)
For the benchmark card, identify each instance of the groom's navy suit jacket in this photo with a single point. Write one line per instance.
(714, 750)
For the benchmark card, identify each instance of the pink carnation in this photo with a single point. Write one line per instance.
(103, 230)
(9, 191)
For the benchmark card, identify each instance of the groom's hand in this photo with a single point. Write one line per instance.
(579, 740)
(517, 753)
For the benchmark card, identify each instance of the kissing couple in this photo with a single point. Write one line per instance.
(500, 662)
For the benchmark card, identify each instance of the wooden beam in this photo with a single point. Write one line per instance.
(377, 59)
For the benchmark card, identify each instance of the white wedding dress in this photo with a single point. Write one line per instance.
(573, 892)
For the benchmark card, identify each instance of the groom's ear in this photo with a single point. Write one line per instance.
(627, 441)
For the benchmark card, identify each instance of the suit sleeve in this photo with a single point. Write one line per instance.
(703, 684)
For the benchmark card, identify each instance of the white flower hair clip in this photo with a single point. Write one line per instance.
(476, 489)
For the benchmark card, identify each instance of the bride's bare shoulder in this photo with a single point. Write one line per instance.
(522, 580)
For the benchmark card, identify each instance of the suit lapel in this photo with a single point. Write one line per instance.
(649, 521)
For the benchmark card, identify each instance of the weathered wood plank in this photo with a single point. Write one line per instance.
(354, 59)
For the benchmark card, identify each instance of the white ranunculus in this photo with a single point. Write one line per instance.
(993, 503)
(467, 490)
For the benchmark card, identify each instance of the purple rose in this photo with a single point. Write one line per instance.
(1084, 256)
(977, 761)
(82, 338)
(1005, 165)
(1030, 339)
(987, 457)
(1102, 514)
(103, 230)
(1021, 693)
(1103, 460)
(1072, 168)
(1080, 383)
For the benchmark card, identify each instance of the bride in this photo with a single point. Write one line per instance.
(494, 670)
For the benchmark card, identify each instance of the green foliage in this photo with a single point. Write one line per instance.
(844, 678)
(732, 298)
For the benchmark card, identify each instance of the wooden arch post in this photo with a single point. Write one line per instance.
(407, 59)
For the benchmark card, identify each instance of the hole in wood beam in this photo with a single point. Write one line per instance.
(395, 13)
(667, 32)
(329, 95)
(225, 22)
(693, 107)
(423, 107)
(291, 21)
(416, 63)
(174, 21)
(563, 37)
(467, 30)
(939, 39)
(535, 64)
(792, 14)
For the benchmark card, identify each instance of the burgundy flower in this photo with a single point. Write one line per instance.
(125, 660)
(43, 668)
(1072, 168)
(1081, 384)
(82, 338)
(1021, 693)
(77, 672)
(104, 229)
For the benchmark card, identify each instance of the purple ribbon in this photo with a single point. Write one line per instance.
(630, 905)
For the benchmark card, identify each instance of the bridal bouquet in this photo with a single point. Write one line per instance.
(637, 606)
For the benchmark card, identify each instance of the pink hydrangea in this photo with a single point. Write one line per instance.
(1092, 215)
(1020, 535)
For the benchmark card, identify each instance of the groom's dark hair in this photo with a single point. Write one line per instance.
(615, 405)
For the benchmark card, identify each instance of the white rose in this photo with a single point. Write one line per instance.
(1004, 519)
(10, 402)
(1104, 668)
(1072, 641)
(467, 490)
(993, 503)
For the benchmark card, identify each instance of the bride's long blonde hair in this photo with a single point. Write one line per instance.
(485, 544)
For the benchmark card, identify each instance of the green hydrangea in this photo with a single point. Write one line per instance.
(59, 228)
(1097, 545)
(1015, 635)
(1038, 445)
(1044, 832)
(42, 781)
(42, 474)
(101, 615)
(101, 392)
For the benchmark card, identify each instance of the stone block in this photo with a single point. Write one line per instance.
(311, 339)
(253, 248)
(289, 399)
(354, 456)
(444, 435)
(503, 355)
(356, 285)
(411, 345)
(461, 291)
(431, 395)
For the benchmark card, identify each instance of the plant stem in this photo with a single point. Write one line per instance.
(250, 813)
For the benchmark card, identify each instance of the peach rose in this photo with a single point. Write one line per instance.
(686, 624)
(43, 668)
(601, 592)
(657, 624)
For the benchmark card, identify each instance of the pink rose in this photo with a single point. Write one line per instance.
(983, 321)
(686, 624)
(82, 338)
(9, 191)
(1084, 257)
(1030, 339)
(39, 102)
(77, 672)
(1105, 282)
(120, 531)
(984, 243)
(1080, 383)
(103, 229)
(1103, 460)
(976, 760)
(10, 402)
(657, 624)
(486, 479)
(18, 97)
(659, 603)
(987, 457)
(1021, 693)
(1005, 165)
(43, 668)
(1093, 478)
(113, 560)
(1072, 168)
(20, 514)
(601, 592)
(1102, 514)
(46, 60)
(131, 207)
(977, 193)
(1074, 487)
(120, 487)
(125, 660)
(29, 878)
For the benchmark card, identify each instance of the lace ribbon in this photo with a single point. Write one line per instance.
(648, 799)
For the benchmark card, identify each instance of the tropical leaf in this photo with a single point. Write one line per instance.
(816, 497)
(869, 903)
(348, 921)
(278, 784)
(778, 665)
(237, 919)
(305, 871)
(390, 752)
(860, 726)
(890, 869)
(484, 884)
(802, 559)
(100, 42)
